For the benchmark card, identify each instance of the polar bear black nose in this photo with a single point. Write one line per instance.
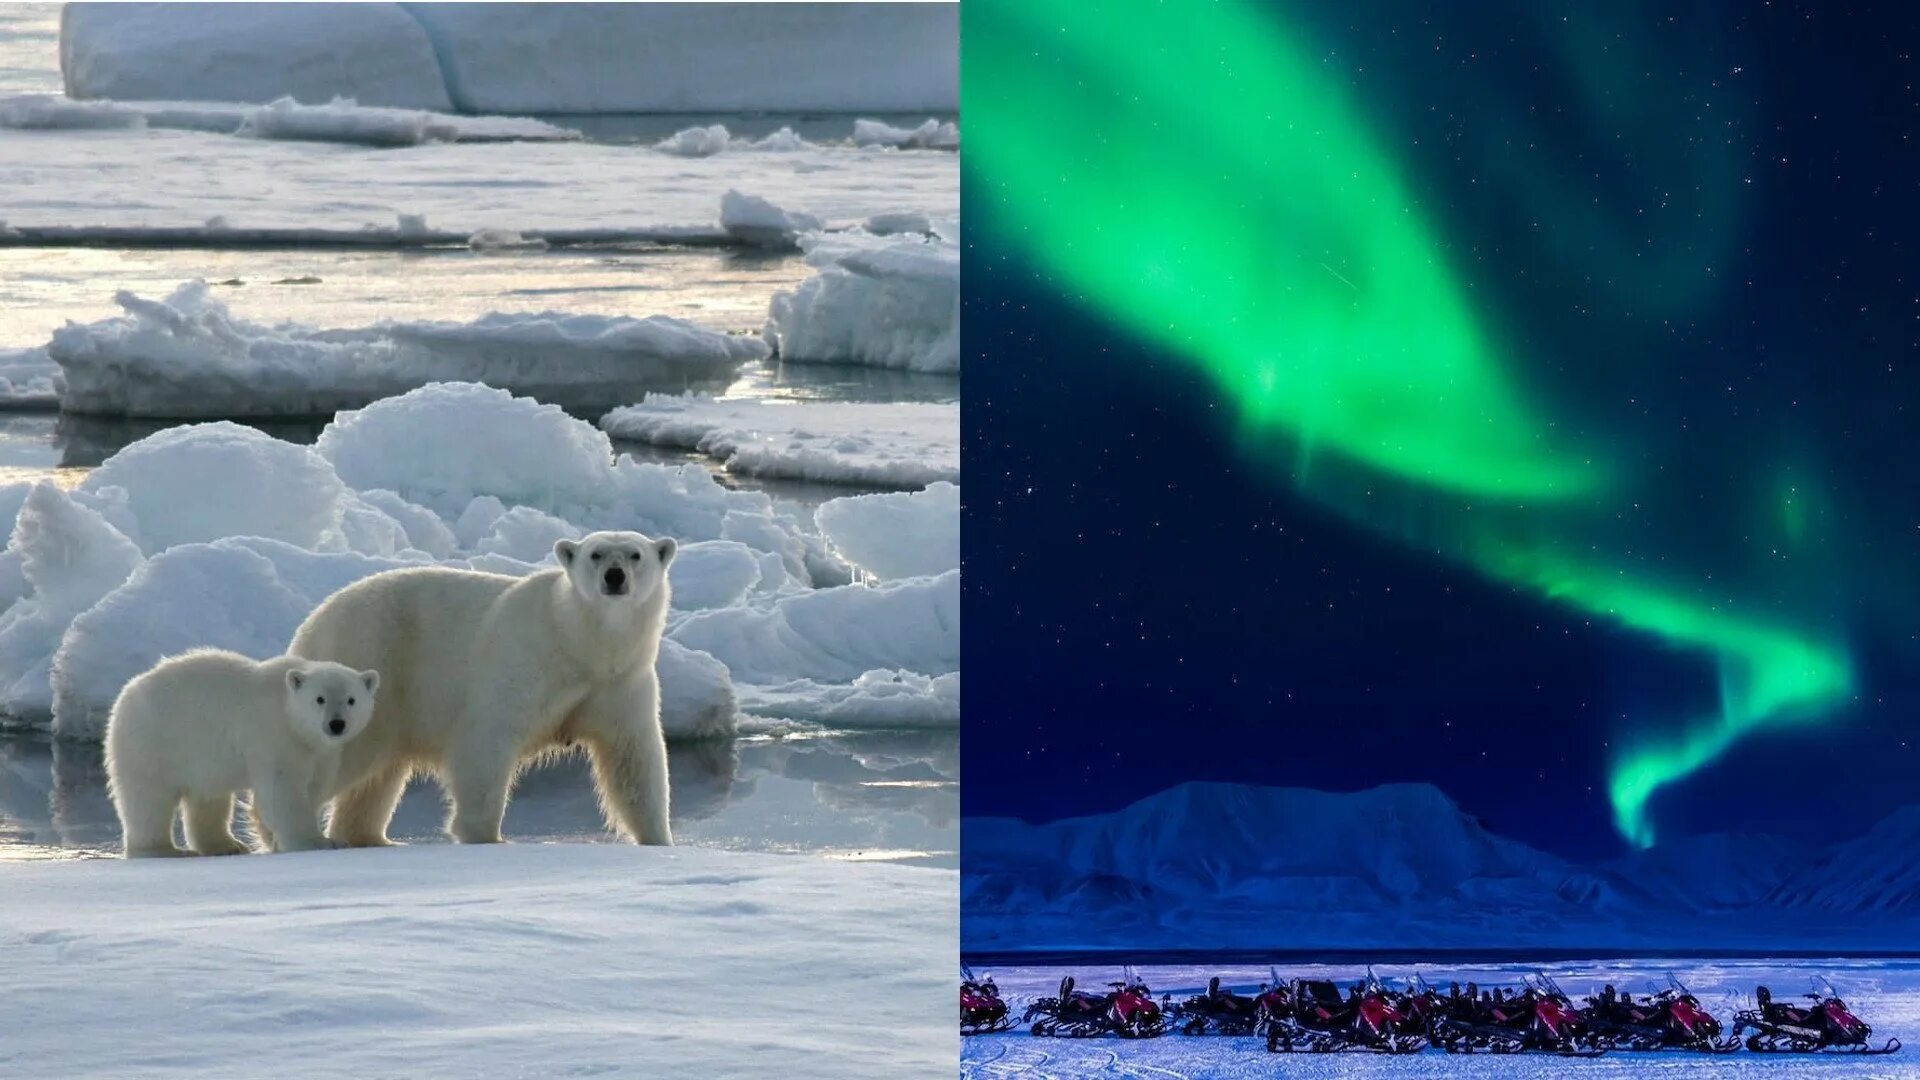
(616, 579)
(336, 726)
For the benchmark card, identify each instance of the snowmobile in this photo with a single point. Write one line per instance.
(1127, 1010)
(1218, 1011)
(982, 1012)
(1825, 1025)
(1539, 1018)
(1671, 1018)
(1369, 1018)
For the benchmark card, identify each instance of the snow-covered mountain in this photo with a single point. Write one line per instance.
(1206, 865)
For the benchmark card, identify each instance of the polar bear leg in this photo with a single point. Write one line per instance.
(210, 826)
(288, 814)
(361, 813)
(146, 820)
(479, 776)
(630, 774)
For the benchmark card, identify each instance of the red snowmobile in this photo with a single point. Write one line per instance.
(1539, 1018)
(1825, 1025)
(1127, 1010)
(1669, 1019)
(982, 1012)
(1370, 1017)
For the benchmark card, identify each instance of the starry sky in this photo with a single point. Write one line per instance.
(1686, 239)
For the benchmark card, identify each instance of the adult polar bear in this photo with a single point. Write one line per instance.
(480, 672)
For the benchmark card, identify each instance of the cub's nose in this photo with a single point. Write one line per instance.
(616, 579)
(336, 726)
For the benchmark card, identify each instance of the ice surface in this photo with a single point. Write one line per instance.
(929, 135)
(341, 120)
(1885, 993)
(896, 535)
(75, 188)
(29, 379)
(756, 221)
(711, 139)
(523, 959)
(69, 557)
(523, 58)
(251, 53)
(1227, 866)
(188, 356)
(878, 699)
(891, 302)
(895, 445)
(835, 634)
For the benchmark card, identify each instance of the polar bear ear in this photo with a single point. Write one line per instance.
(296, 679)
(666, 547)
(371, 680)
(564, 550)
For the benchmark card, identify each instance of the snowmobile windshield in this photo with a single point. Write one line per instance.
(1824, 988)
(1543, 983)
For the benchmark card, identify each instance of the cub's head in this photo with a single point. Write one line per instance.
(329, 703)
(616, 567)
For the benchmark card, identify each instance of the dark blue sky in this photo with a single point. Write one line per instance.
(1702, 244)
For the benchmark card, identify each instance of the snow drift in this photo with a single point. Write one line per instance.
(187, 356)
(524, 58)
(895, 445)
(896, 535)
(891, 302)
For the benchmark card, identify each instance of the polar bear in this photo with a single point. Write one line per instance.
(204, 725)
(484, 672)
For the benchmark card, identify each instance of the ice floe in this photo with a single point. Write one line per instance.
(890, 302)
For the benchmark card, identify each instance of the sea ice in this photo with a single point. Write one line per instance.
(889, 302)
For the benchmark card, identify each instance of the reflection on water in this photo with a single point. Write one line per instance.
(872, 795)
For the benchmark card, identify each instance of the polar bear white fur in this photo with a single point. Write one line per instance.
(484, 672)
(202, 726)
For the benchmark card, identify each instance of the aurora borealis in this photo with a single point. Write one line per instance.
(1209, 178)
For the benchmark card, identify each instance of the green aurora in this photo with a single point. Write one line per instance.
(1225, 200)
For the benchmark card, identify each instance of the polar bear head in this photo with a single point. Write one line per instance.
(329, 703)
(616, 567)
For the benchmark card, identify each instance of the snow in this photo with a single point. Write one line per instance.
(896, 535)
(754, 220)
(341, 120)
(1884, 993)
(188, 356)
(72, 186)
(835, 634)
(518, 58)
(522, 960)
(1401, 867)
(891, 302)
(893, 445)
(929, 135)
(251, 53)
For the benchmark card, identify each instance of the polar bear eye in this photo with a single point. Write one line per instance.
(596, 556)
(349, 701)
(320, 700)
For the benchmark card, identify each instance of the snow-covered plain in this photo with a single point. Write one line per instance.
(895, 445)
(523, 960)
(1885, 993)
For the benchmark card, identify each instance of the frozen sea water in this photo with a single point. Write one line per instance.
(1883, 992)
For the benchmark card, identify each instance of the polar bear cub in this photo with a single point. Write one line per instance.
(204, 725)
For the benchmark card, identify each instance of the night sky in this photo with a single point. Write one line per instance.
(1694, 236)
